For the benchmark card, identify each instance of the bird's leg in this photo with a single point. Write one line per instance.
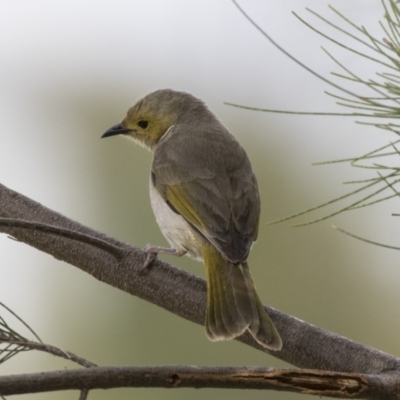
(152, 252)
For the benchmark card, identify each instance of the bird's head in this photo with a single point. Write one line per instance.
(149, 119)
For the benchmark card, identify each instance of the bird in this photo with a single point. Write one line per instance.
(206, 201)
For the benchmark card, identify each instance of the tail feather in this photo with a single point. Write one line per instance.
(222, 320)
(218, 318)
(233, 305)
(263, 330)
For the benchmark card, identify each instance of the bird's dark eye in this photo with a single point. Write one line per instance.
(143, 124)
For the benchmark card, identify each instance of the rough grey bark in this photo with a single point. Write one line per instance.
(338, 385)
(179, 292)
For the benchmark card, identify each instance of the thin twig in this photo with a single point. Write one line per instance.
(56, 351)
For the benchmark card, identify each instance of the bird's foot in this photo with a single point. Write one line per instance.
(152, 252)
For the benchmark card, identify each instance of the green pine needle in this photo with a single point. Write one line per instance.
(382, 101)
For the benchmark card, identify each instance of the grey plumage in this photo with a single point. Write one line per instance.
(205, 198)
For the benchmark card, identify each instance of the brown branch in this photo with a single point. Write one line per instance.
(181, 293)
(84, 394)
(319, 383)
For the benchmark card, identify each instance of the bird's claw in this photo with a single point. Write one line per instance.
(151, 256)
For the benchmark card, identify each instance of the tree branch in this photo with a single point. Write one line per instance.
(320, 383)
(181, 293)
(55, 351)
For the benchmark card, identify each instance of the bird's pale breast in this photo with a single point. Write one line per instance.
(179, 233)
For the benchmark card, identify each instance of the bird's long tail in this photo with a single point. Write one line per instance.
(233, 305)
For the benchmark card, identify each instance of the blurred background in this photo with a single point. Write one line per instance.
(70, 69)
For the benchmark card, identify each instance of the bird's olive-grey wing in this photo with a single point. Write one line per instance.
(224, 208)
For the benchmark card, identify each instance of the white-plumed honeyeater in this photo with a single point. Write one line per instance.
(205, 199)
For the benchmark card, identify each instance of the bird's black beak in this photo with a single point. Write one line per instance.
(115, 130)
